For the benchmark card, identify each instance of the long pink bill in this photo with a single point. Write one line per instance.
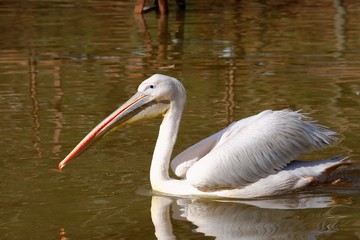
(120, 115)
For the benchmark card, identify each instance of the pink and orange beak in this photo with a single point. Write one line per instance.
(127, 113)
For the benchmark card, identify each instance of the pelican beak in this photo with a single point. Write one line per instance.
(127, 113)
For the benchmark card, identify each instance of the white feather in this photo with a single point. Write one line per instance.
(256, 147)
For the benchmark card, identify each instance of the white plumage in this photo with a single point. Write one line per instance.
(256, 147)
(252, 157)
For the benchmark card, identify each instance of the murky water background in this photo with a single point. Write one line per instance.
(65, 65)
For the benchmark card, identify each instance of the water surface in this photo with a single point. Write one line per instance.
(65, 65)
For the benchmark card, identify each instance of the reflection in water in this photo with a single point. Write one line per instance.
(229, 92)
(58, 110)
(32, 65)
(160, 216)
(339, 26)
(260, 219)
(34, 101)
(163, 38)
(64, 64)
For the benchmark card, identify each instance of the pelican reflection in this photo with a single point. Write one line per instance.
(293, 218)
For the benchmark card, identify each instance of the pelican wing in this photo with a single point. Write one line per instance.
(186, 159)
(252, 148)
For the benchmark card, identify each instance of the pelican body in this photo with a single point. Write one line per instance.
(252, 157)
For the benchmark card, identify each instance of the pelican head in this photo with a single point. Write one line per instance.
(152, 99)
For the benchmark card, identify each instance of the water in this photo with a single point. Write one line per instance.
(65, 65)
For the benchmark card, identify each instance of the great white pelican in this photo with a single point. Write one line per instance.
(252, 157)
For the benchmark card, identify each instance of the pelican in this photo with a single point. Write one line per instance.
(250, 158)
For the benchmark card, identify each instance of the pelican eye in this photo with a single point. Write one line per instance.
(151, 86)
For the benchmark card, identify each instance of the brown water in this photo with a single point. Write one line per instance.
(65, 65)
